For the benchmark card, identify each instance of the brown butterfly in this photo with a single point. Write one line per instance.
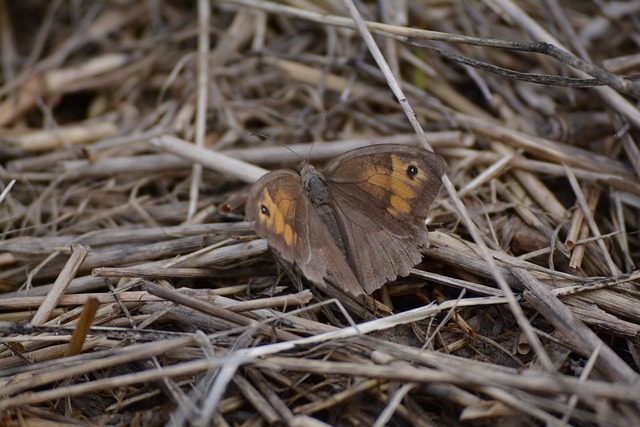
(358, 223)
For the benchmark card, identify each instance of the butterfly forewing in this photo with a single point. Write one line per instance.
(274, 203)
(400, 182)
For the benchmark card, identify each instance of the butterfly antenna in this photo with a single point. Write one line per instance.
(310, 149)
(268, 138)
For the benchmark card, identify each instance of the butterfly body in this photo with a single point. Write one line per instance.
(358, 222)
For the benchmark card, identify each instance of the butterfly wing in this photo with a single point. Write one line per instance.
(381, 196)
(285, 216)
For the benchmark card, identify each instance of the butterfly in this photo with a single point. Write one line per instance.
(358, 223)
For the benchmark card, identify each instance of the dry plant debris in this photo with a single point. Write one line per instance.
(128, 298)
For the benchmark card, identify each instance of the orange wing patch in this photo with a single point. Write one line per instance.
(273, 216)
(401, 180)
(398, 205)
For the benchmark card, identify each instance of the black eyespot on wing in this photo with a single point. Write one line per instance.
(412, 170)
(265, 211)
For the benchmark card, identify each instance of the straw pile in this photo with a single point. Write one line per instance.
(128, 298)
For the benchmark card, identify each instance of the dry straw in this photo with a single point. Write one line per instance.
(127, 296)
